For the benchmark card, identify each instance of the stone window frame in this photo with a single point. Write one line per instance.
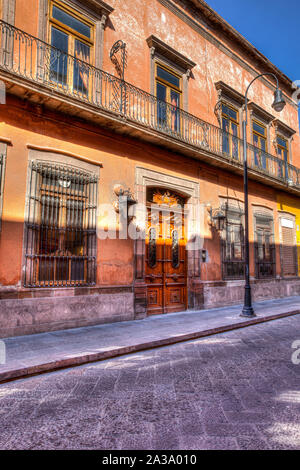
(55, 156)
(237, 206)
(292, 217)
(160, 52)
(3, 158)
(95, 10)
(232, 98)
(283, 130)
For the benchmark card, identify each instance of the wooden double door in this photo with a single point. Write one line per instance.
(166, 267)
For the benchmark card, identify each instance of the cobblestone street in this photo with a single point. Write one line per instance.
(236, 390)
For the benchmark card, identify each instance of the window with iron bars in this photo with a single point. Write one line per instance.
(233, 245)
(264, 246)
(60, 230)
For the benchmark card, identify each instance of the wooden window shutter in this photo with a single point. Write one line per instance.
(288, 252)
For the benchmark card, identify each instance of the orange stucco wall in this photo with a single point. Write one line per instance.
(119, 157)
(133, 21)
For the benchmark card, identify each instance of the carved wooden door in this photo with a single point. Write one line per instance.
(165, 272)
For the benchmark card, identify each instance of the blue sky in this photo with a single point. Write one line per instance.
(270, 25)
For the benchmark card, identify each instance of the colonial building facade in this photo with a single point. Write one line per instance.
(121, 165)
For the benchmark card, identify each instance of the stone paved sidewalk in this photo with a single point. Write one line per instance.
(26, 355)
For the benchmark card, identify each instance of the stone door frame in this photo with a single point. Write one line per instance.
(145, 178)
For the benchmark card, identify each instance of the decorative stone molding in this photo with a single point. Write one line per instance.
(199, 25)
(228, 95)
(226, 91)
(181, 64)
(260, 113)
(283, 128)
(54, 156)
(149, 178)
(167, 51)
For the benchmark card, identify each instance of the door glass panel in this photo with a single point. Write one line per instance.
(161, 106)
(152, 247)
(175, 117)
(235, 146)
(58, 59)
(263, 155)
(225, 126)
(175, 249)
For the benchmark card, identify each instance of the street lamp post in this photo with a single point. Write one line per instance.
(278, 105)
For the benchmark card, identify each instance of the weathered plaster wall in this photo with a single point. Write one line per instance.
(24, 126)
(134, 21)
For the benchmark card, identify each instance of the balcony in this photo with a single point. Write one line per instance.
(45, 75)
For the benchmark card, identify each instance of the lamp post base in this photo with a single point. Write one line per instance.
(247, 312)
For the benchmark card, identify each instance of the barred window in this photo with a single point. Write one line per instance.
(60, 231)
(233, 245)
(264, 246)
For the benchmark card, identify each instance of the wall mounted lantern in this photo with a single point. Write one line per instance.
(125, 198)
(218, 218)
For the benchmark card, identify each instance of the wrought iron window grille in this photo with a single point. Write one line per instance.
(264, 246)
(232, 244)
(60, 228)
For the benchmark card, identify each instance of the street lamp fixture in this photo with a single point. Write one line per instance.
(278, 105)
(279, 101)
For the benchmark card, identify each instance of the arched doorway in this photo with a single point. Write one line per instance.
(166, 259)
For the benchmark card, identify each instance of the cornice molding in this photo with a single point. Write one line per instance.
(64, 152)
(232, 33)
(260, 112)
(284, 128)
(157, 45)
(225, 90)
(226, 50)
(98, 6)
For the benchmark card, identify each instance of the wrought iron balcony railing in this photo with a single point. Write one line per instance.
(26, 56)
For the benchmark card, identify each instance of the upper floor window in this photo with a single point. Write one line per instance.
(72, 35)
(230, 124)
(282, 148)
(260, 141)
(168, 90)
(283, 154)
